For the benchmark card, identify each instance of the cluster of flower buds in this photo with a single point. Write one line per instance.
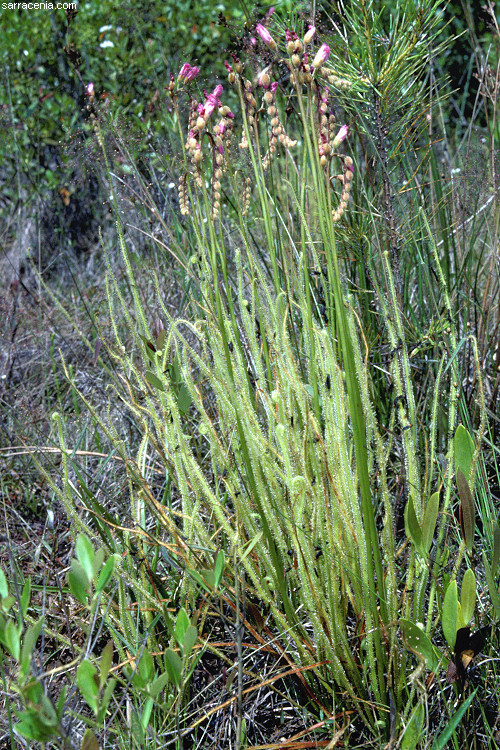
(299, 68)
(187, 73)
(222, 133)
(247, 192)
(339, 83)
(278, 134)
(251, 108)
(346, 179)
(182, 189)
(320, 99)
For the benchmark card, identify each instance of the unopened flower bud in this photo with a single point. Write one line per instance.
(264, 79)
(309, 34)
(266, 36)
(321, 56)
(341, 136)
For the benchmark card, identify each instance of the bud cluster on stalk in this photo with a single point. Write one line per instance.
(312, 77)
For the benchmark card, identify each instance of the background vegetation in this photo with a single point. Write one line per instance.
(250, 419)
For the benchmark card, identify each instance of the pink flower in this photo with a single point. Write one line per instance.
(184, 71)
(274, 86)
(187, 73)
(192, 73)
(90, 89)
(309, 34)
(212, 101)
(341, 136)
(265, 36)
(321, 56)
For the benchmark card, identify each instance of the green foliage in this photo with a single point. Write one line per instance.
(289, 410)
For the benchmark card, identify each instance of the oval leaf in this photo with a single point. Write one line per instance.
(429, 523)
(413, 529)
(467, 512)
(173, 665)
(468, 595)
(464, 451)
(419, 642)
(85, 554)
(449, 615)
(154, 381)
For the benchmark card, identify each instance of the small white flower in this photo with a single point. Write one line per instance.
(105, 44)
(105, 28)
(26, 53)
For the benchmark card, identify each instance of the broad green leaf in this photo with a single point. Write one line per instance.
(146, 713)
(25, 596)
(204, 578)
(146, 667)
(160, 341)
(181, 625)
(76, 586)
(30, 638)
(468, 595)
(449, 614)
(105, 698)
(105, 574)
(464, 451)
(155, 688)
(190, 638)
(417, 640)
(413, 731)
(219, 567)
(429, 521)
(105, 662)
(154, 381)
(4, 589)
(86, 678)
(413, 529)
(98, 561)
(184, 400)
(173, 665)
(460, 618)
(11, 638)
(467, 511)
(85, 555)
(136, 730)
(32, 728)
(89, 741)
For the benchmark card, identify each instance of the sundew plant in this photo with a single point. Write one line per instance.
(321, 467)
